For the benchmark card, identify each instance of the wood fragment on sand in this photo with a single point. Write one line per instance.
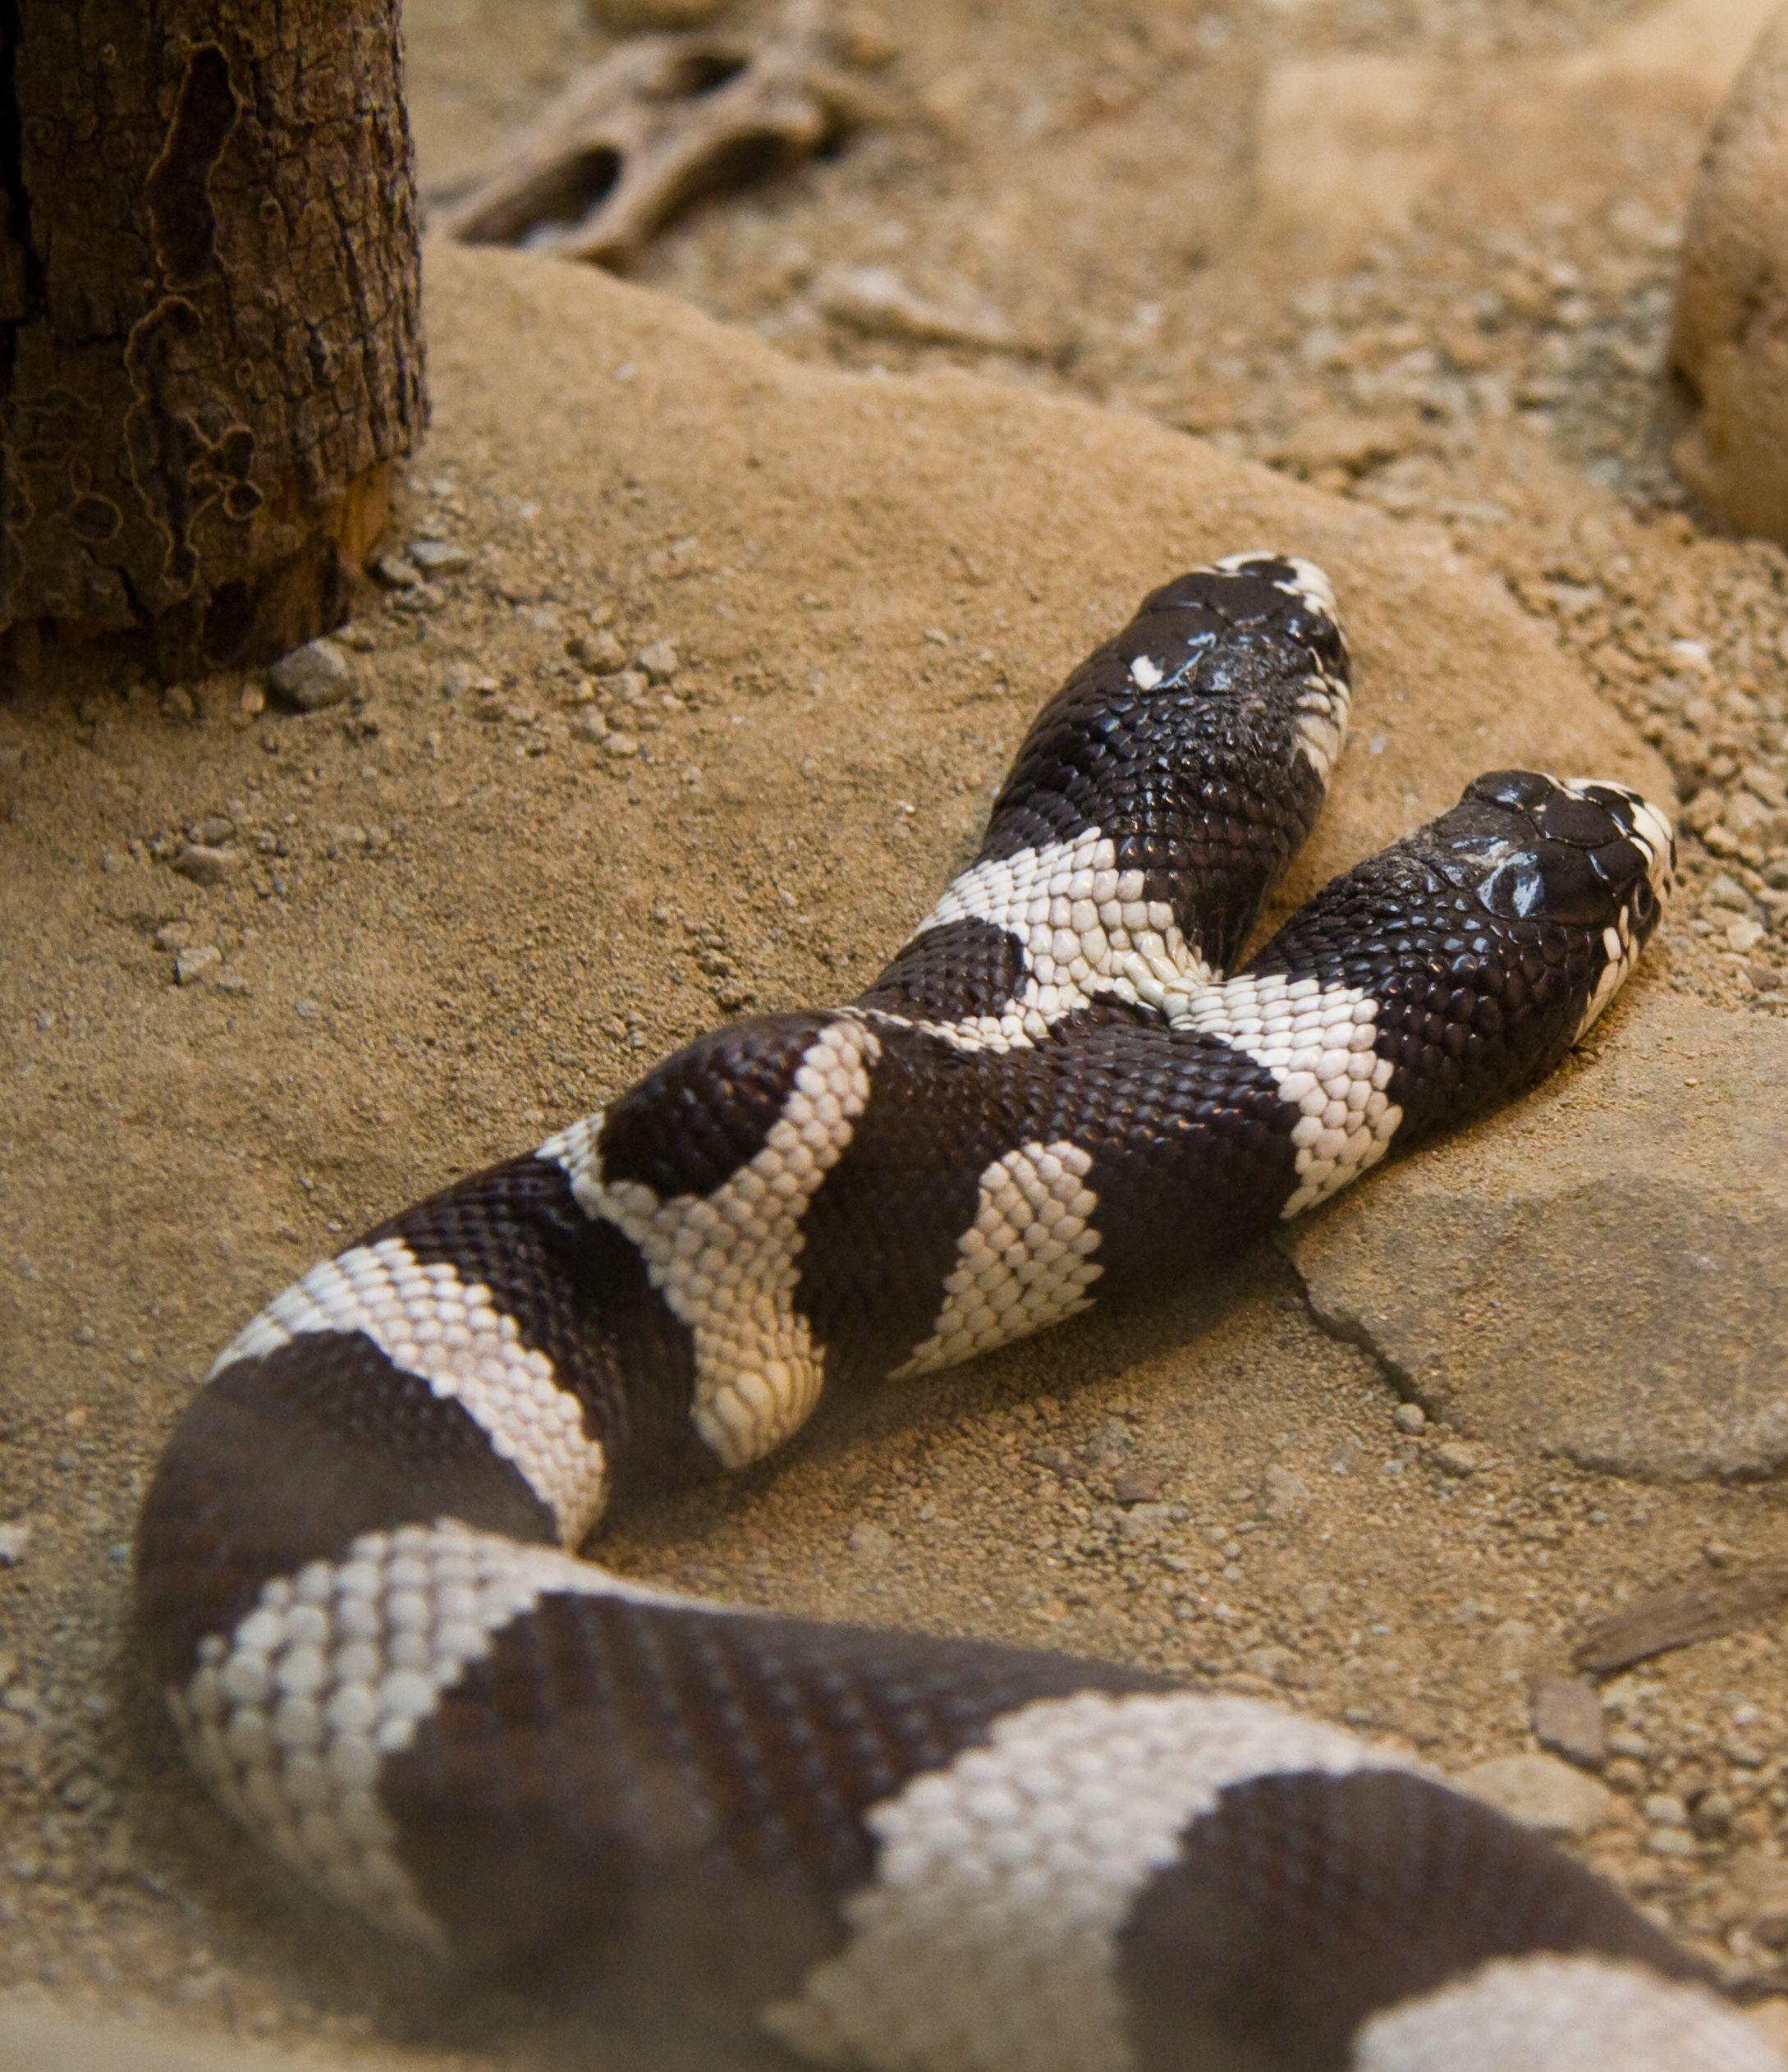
(1679, 1616)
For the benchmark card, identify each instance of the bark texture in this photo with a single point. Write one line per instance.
(210, 350)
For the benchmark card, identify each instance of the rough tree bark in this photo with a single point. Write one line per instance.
(210, 350)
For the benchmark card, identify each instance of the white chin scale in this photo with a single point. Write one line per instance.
(1655, 837)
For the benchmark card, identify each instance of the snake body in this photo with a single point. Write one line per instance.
(358, 1570)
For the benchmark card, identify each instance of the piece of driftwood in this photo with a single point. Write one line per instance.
(663, 121)
(1679, 1616)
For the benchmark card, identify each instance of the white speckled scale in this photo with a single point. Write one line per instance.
(988, 1940)
(1552, 2014)
(293, 1715)
(1317, 1041)
(1025, 1261)
(725, 1263)
(451, 1334)
(1086, 930)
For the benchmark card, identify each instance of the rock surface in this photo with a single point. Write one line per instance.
(1568, 1719)
(999, 507)
(1598, 1273)
(1699, 43)
(38, 2039)
(1731, 329)
(1347, 146)
(1541, 1792)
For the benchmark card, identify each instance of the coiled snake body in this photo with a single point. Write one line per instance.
(357, 1567)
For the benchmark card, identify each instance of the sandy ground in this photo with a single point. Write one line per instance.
(1419, 258)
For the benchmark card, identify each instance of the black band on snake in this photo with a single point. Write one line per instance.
(358, 1568)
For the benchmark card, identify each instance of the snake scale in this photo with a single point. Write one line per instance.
(358, 1567)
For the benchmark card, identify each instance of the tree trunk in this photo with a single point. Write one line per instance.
(210, 350)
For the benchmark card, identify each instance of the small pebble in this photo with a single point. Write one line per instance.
(1671, 1841)
(15, 1536)
(1276, 1663)
(659, 662)
(621, 745)
(191, 965)
(1461, 1457)
(1744, 936)
(438, 557)
(1540, 1792)
(1568, 1719)
(1409, 1417)
(1136, 1521)
(588, 727)
(1711, 1815)
(1137, 1486)
(867, 1537)
(1761, 1884)
(598, 649)
(1283, 1495)
(205, 865)
(311, 677)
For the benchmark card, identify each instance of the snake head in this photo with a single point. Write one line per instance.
(1581, 853)
(1485, 944)
(1245, 624)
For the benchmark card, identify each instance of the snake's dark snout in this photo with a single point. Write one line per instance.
(1579, 851)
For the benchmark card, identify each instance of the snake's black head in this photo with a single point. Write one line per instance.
(1251, 626)
(1255, 629)
(1591, 857)
(1484, 944)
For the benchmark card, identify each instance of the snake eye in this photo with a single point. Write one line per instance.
(1319, 635)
